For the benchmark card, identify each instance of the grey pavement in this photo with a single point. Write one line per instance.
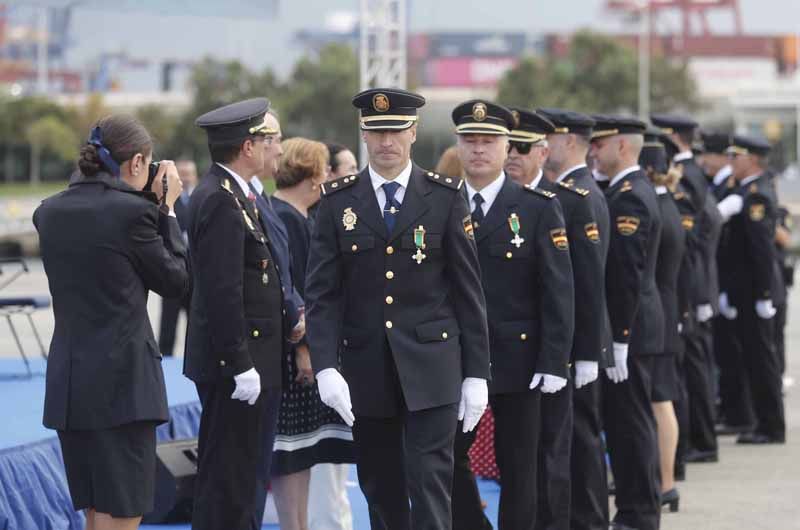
(750, 488)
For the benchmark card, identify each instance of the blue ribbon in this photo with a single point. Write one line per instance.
(96, 139)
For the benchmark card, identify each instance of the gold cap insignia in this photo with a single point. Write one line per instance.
(380, 102)
(756, 212)
(627, 225)
(515, 115)
(349, 219)
(479, 111)
(559, 238)
(592, 232)
(687, 222)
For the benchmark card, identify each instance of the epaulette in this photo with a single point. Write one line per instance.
(447, 182)
(542, 193)
(580, 191)
(338, 184)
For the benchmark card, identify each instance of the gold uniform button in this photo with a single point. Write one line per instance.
(509, 255)
(390, 250)
(256, 333)
(354, 248)
(524, 336)
(388, 324)
(389, 275)
(444, 335)
(222, 363)
(389, 300)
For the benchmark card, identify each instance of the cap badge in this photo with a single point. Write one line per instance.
(479, 111)
(380, 102)
(515, 115)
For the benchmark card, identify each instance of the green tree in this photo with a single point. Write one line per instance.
(49, 134)
(162, 126)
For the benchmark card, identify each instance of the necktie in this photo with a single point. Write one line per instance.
(392, 207)
(477, 213)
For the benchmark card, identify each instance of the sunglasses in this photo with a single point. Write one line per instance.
(522, 148)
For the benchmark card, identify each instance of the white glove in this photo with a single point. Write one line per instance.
(248, 386)
(765, 309)
(727, 310)
(730, 206)
(474, 399)
(550, 383)
(704, 312)
(585, 373)
(619, 373)
(334, 392)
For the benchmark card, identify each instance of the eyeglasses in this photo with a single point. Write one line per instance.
(522, 148)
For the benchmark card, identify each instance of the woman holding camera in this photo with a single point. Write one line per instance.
(105, 242)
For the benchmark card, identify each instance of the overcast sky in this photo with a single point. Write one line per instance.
(157, 29)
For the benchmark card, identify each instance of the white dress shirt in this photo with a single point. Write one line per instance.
(722, 175)
(749, 179)
(489, 193)
(378, 182)
(683, 155)
(257, 185)
(661, 190)
(624, 173)
(535, 182)
(239, 180)
(567, 172)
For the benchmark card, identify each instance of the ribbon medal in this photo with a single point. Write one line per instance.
(264, 276)
(513, 222)
(419, 241)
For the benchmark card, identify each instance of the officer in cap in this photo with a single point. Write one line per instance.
(566, 163)
(524, 251)
(235, 332)
(749, 250)
(637, 319)
(394, 287)
(714, 161)
(527, 147)
(588, 267)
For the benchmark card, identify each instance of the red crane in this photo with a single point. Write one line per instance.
(689, 9)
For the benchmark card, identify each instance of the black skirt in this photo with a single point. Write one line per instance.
(665, 378)
(113, 470)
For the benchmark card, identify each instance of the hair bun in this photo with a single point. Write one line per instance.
(89, 162)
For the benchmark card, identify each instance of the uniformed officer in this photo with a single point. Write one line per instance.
(698, 442)
(569, 145)
(394, 286)
(524, 250)
(637, 319)
(527, 147)
(235, 332)
(714, 161)
(588, 266)
(749, 250)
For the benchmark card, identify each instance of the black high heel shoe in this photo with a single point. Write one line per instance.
(673, 498)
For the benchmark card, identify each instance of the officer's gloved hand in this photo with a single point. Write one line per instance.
(619, 372)
(334, 392)
(765, 309)
(585, 372)
(248, 386)
(730, 206)
(550, 383)
(474, 399)
(725, 308)
(704, 312)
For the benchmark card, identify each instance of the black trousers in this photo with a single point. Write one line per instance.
(230, 446)
(757, 336)
(467, 510)
(736, 403)
(780, 338)
(273, 398)
(633, 445)
(697, 366)
(555, 451)
(407, 457)
(589, 482)
(170, 309)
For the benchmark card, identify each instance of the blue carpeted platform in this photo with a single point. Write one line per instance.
(33, 489)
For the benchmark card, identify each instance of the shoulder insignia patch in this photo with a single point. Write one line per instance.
(338, 184)
(592, 232)
(571, 187)
(756, 212)
(559, 238)
(542, 193)
(626, 186)
(753, 188)
(469, 230)
(627, 225)
(448, 182)
(687, 222)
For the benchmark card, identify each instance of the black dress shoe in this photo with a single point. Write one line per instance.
(680, 472)
(671, 498)
(724, 429)
(695, 456)
(620, 526)
(755, 438)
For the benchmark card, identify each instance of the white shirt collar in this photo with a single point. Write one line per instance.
(624, 173)
(535, 182)
(749, 179)
(489, 193)
(599, 177)
(683, 155)
(257, 185)
(567, 172)
(722, 174)
(661, 190)
(242, 183)
(402, 178)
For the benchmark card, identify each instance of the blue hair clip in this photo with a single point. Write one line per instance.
(96, 139)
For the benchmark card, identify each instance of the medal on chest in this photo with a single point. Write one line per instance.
(264, 275)
(419, 241)
(514, 224)
(349, 219)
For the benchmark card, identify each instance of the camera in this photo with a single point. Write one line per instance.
(152, 171)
